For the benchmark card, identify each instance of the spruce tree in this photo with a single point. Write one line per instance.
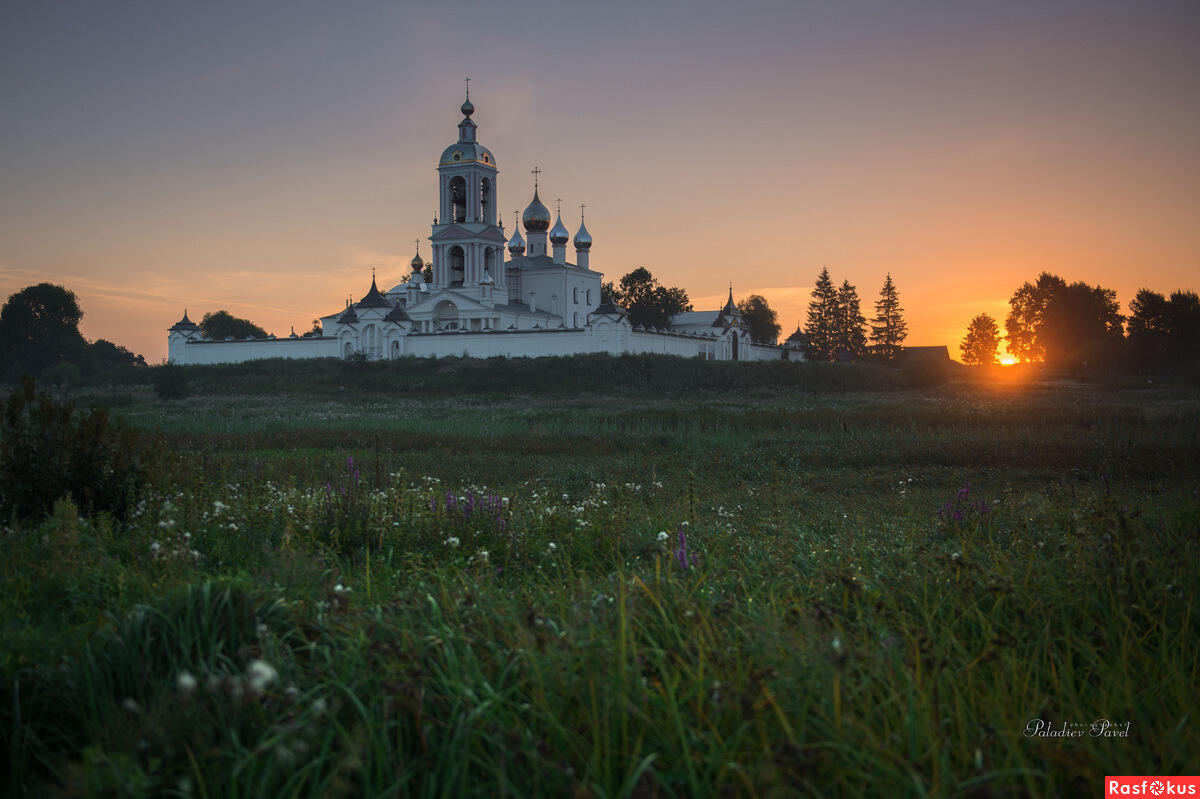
(822, 310)
(849, 326)
(888, 328)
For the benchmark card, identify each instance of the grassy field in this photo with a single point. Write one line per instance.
(705, 582)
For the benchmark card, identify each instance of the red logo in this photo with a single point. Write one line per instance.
(1152, 786)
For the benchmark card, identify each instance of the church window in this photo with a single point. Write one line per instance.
(589, 297)
(458, 199)
(575, 295)
(457, 265)
(485, 199)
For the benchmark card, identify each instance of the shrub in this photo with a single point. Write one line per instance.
(49, 450)
(170, 381)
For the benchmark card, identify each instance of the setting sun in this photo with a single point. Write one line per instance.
(1007, 360)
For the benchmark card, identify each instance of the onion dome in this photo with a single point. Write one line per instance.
(536, 218)
(416, 263)
(516, 245)
(559, 233)
(467, 108)
(583, 239)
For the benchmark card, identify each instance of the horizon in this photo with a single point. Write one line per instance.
(264, 160)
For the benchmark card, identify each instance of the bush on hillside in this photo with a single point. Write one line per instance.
(170, 382)
(49, 450)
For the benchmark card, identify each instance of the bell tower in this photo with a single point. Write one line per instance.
(468, 245)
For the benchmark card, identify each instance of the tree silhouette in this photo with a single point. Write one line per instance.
(888, 328)
(1024, 321)
(1082, 324)
(39, 326)
(1065, 325)
(760, 318)
(981, 345)
(820, 326)
(222, 324)
(1163, 332)
(849, 325)
(649, 303)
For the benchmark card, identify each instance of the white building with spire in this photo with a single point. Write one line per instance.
(480, 303)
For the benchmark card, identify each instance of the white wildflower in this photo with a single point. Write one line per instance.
(186, 683)
(451, 542)
(260, 674)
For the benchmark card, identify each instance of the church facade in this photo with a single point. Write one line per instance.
(491, 295)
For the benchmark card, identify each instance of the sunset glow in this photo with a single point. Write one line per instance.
(263, 158)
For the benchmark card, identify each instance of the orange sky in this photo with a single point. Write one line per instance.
(263, 162)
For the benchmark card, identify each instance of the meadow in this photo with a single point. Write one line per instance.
(646, 577)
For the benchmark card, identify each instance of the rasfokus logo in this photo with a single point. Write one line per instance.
(1152, 786)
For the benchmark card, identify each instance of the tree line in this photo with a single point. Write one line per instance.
(1072, 327)
(40, 337)
(837, 330)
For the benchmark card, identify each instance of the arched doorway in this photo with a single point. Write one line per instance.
(445, 316)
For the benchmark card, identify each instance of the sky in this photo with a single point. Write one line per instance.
(264, 157)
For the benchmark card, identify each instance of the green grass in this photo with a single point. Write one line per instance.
(835, 634)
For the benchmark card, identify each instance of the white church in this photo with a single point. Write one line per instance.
(482, 304)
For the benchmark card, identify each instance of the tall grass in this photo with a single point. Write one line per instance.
(450, 612)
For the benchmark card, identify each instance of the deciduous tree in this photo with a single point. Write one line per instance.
(1164, 332)
(760, 318)
(981, 345)
(649, 303)
(39, 326)
(1024, 321)
(222, 324)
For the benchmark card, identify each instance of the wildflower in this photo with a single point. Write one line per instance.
(129, 705)
(260, 674)
(341, 589)
(452, 542)
(483, 555)
(681, 552)
(186, 683)
(551, 547)
(663, 535)
(219, 507)
(155, 548)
